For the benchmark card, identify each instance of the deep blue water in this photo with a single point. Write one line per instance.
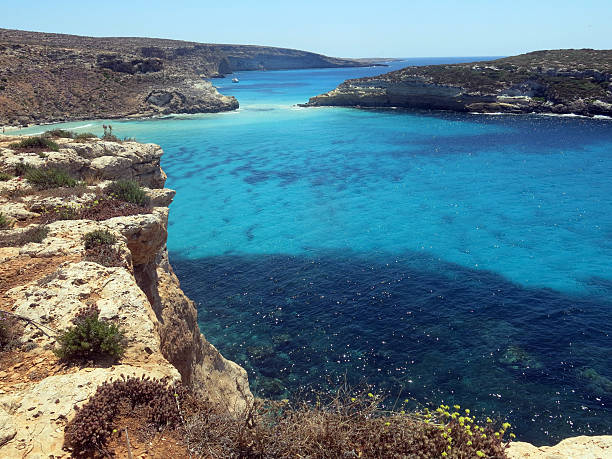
(453, 258)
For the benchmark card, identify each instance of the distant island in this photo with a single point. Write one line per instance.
(565, 81)
(47, 77)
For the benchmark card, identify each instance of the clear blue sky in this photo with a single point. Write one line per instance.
(395, 28)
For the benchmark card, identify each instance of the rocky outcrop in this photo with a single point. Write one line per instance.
(582, 447)
(94, 159)
(47, 282)
(560, 82)
(53, 77)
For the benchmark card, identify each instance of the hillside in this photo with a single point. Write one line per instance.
(54, 77)
(557, 81)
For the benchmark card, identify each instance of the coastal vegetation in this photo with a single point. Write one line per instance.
(10, 330)
(48, 177)
(90, 337)
(340, 425)
(100, 248)
(97, 238)
(5, 221)
(35, 144)
(128, 191)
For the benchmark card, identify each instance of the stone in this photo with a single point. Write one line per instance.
(582, 447)
(7, 427)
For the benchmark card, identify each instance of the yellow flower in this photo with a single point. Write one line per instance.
(387, 423)
(497, 434)
(484, 435)
(444, 454)
(370, 394)
(512, 435)
(506, 425)
(353, 399)
(489, 420)
(467, 411)
(457, 407)
(480, 454)
(469, 442)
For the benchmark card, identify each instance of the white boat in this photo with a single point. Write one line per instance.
(235, 80)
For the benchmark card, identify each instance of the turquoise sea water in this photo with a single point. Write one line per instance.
(453, 258)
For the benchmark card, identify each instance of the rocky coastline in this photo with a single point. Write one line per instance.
(48, 281)
(46, 78)
(562, 82)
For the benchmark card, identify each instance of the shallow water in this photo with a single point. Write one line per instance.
(447, 257)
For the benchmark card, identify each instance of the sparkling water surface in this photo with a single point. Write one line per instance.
(441, 257)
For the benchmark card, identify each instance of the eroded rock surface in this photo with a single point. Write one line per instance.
(583, 447)
(47, 282)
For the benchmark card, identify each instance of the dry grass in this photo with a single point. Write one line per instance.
(346, 426)
(343, 427)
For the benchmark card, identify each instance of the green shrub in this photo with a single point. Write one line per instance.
(108, 134)
(22, 168)
(90, 337)
(85, 136)
(35, 234)
(110, 138)
(59, 133)
(35, 144)
(5, 222)
(99, 237)
(10, 331)
(4, 176)
(128, 191)
(44, 178)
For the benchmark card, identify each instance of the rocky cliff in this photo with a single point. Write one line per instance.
(53, 77)
(558, 81)
(47, 281)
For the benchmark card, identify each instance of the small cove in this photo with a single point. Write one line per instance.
(442, 257)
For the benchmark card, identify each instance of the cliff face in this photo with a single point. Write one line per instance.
(47, 282)
(54, 77)
(559, 81)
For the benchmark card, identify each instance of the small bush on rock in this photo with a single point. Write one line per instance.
(85, 136)
(5, 222)
(59, 133)
(44, 178)
(93, 423)
(90, 337)
(4, 176)
(100, 249)
(128, 191)
(10, 331)
(99, 237)
(22, 168)
(35, 144)
(34, 233)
